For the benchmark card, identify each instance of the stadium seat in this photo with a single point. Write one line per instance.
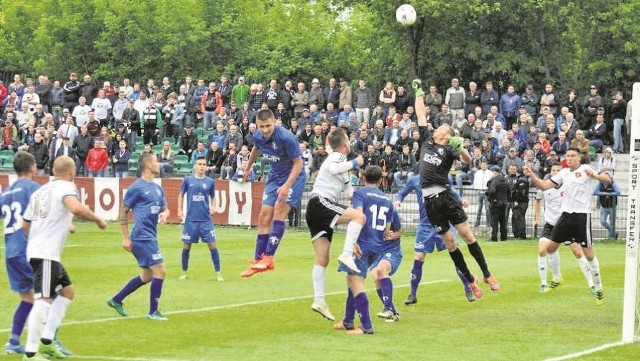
(180, 159)
(185, 168)
(134, 157)
(157, 148)
(266, 168)
(257, 168)
(592, 152)
(139, 148)
(133, 166)
(171, 140)
(7, 164)
(6, 155)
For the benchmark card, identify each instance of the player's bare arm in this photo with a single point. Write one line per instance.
(601, 177)
(78, 209)
(180, 199)
(124, 227)
(540, 183)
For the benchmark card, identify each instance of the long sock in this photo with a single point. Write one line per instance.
(594, 267)
(416, 276)
(458, 260)
(185, 259)
(362, 306)
(554, 262)
(37, 319)
(277, 231)
(129, 288)
(584, 267)
(54, 319)
(350, 308)
(261, 245)
(380, 296)
(463, 279)
(542, 269)
(154, 294)
(476, 252)
(19, 320)
(317, 275)
(386, 286)
(353, 232)
(215, 259)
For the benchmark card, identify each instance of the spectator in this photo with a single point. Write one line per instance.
(165, 158)
(363, 99)
(472, 99)
(591, 103)
(234, 137)
(571, 103)
(582, 144)
(481, 177)
(489, 98)
(300, 101)
(387, 98)
(618, 114)
(512, 159)
(406, 165)
(10, 134)
(497, 193)
(152, 120)
(229, 164)
(346, 95)
(40, 151)
(332, 94)
(389, 164)
(607, 163)
(597, 133)
(97, 160)
(315, 94)
(188, 142)
(214, 160)
(519, 203)
(561, 145)
(608, 200)
(240, 91)
(319, 156)
(200, 151)
(548, 99)
(210, 105)
(121, 160)
(239, 173)
(307, 158)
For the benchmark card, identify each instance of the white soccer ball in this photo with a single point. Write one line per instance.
(406, 15)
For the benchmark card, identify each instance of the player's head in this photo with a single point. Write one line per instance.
(200, 167)
(266, 122)
(555, 168)
(573, 158)
(338, 141)
(443, 133)
(64, 167)
(148, 164)
(373, 174)
(24, 164)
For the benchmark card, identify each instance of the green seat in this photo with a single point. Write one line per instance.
(185, 168)
(592, 151)
(257, 167)
(157, 148)
(171, 140)
(139, 148)
(133, 166)
(181, 159)
(134, 157)
(6, 164)
(266, 168)
(175, 147)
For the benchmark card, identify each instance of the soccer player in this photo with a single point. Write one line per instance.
(13, 203)
(324, 212)
(149, 206)
(283, 190)
(378, 211)
(427, 240)
(47, 222)
(436, 157)
(552, 206)
(574, 224)
(385, 266)
(199, 191)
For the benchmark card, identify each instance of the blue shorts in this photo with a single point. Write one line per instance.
(392, 257)
(147, 253)
(363, 263)
(428, 239)
(20, 274)
(270, 195)
(193, 232)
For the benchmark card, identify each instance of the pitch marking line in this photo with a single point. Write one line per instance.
(112, 358)
(587, 352)
(222, 307)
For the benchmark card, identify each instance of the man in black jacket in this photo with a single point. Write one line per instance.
(497, 192)
(71, 92)
(519, 190)
(188, 142)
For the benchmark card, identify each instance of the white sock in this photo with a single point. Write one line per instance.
(582, 262)
(353, 232)
(554, 262)
(318, 283)
(56, 314)
(594, 267)
(542, 269)
(37, 319)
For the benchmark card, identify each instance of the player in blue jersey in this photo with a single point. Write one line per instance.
(385, 266)
(378, 211)
(283, 190)
(13, 203)
(199, 191)
(146, 199)
(427, 240)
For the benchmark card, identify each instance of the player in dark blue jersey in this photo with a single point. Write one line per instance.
(385, 266)
(13, 204)
(378, 211)
(427, 240)
(146, 199)
(283, 190)
(197, 195)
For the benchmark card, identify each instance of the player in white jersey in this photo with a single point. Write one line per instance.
(552, 204)
(47, 222)
(324, 212)
(574, 224)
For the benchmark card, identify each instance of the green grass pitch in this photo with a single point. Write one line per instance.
(268, 317)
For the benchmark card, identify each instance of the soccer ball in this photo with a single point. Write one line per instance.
(406, 15)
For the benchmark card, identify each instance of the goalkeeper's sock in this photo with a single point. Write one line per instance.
(386, 287)
(584, 267)
(154, 295)
(129, 288)
(215, 259)
(476, 252)
(542, 269)
(261, 245)
(277, 231)
(185, 259)
(353, 232)
(416, 276)
(458, 261)
(554, 262)
(594, 267)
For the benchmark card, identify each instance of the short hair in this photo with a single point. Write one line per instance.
(63, 164)
(574, 149)
(336, 138)
(372, 174)
(200, 157)
(22, 162)
(264, 114)
(145, 158)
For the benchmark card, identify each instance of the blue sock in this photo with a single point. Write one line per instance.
(215, 258)
(154, 295)
(349, 309)
(463, 279)
(277, 231)
(128, 289)
(261, 245)
(386, 288)
(416, 276)
(185, 259)
(19, 319)
(362, 306)
(379, 292)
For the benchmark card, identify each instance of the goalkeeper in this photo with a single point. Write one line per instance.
(436, 157)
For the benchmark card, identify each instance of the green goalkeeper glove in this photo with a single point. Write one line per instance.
(456, 143)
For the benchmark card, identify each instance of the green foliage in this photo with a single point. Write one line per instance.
(572, 43)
